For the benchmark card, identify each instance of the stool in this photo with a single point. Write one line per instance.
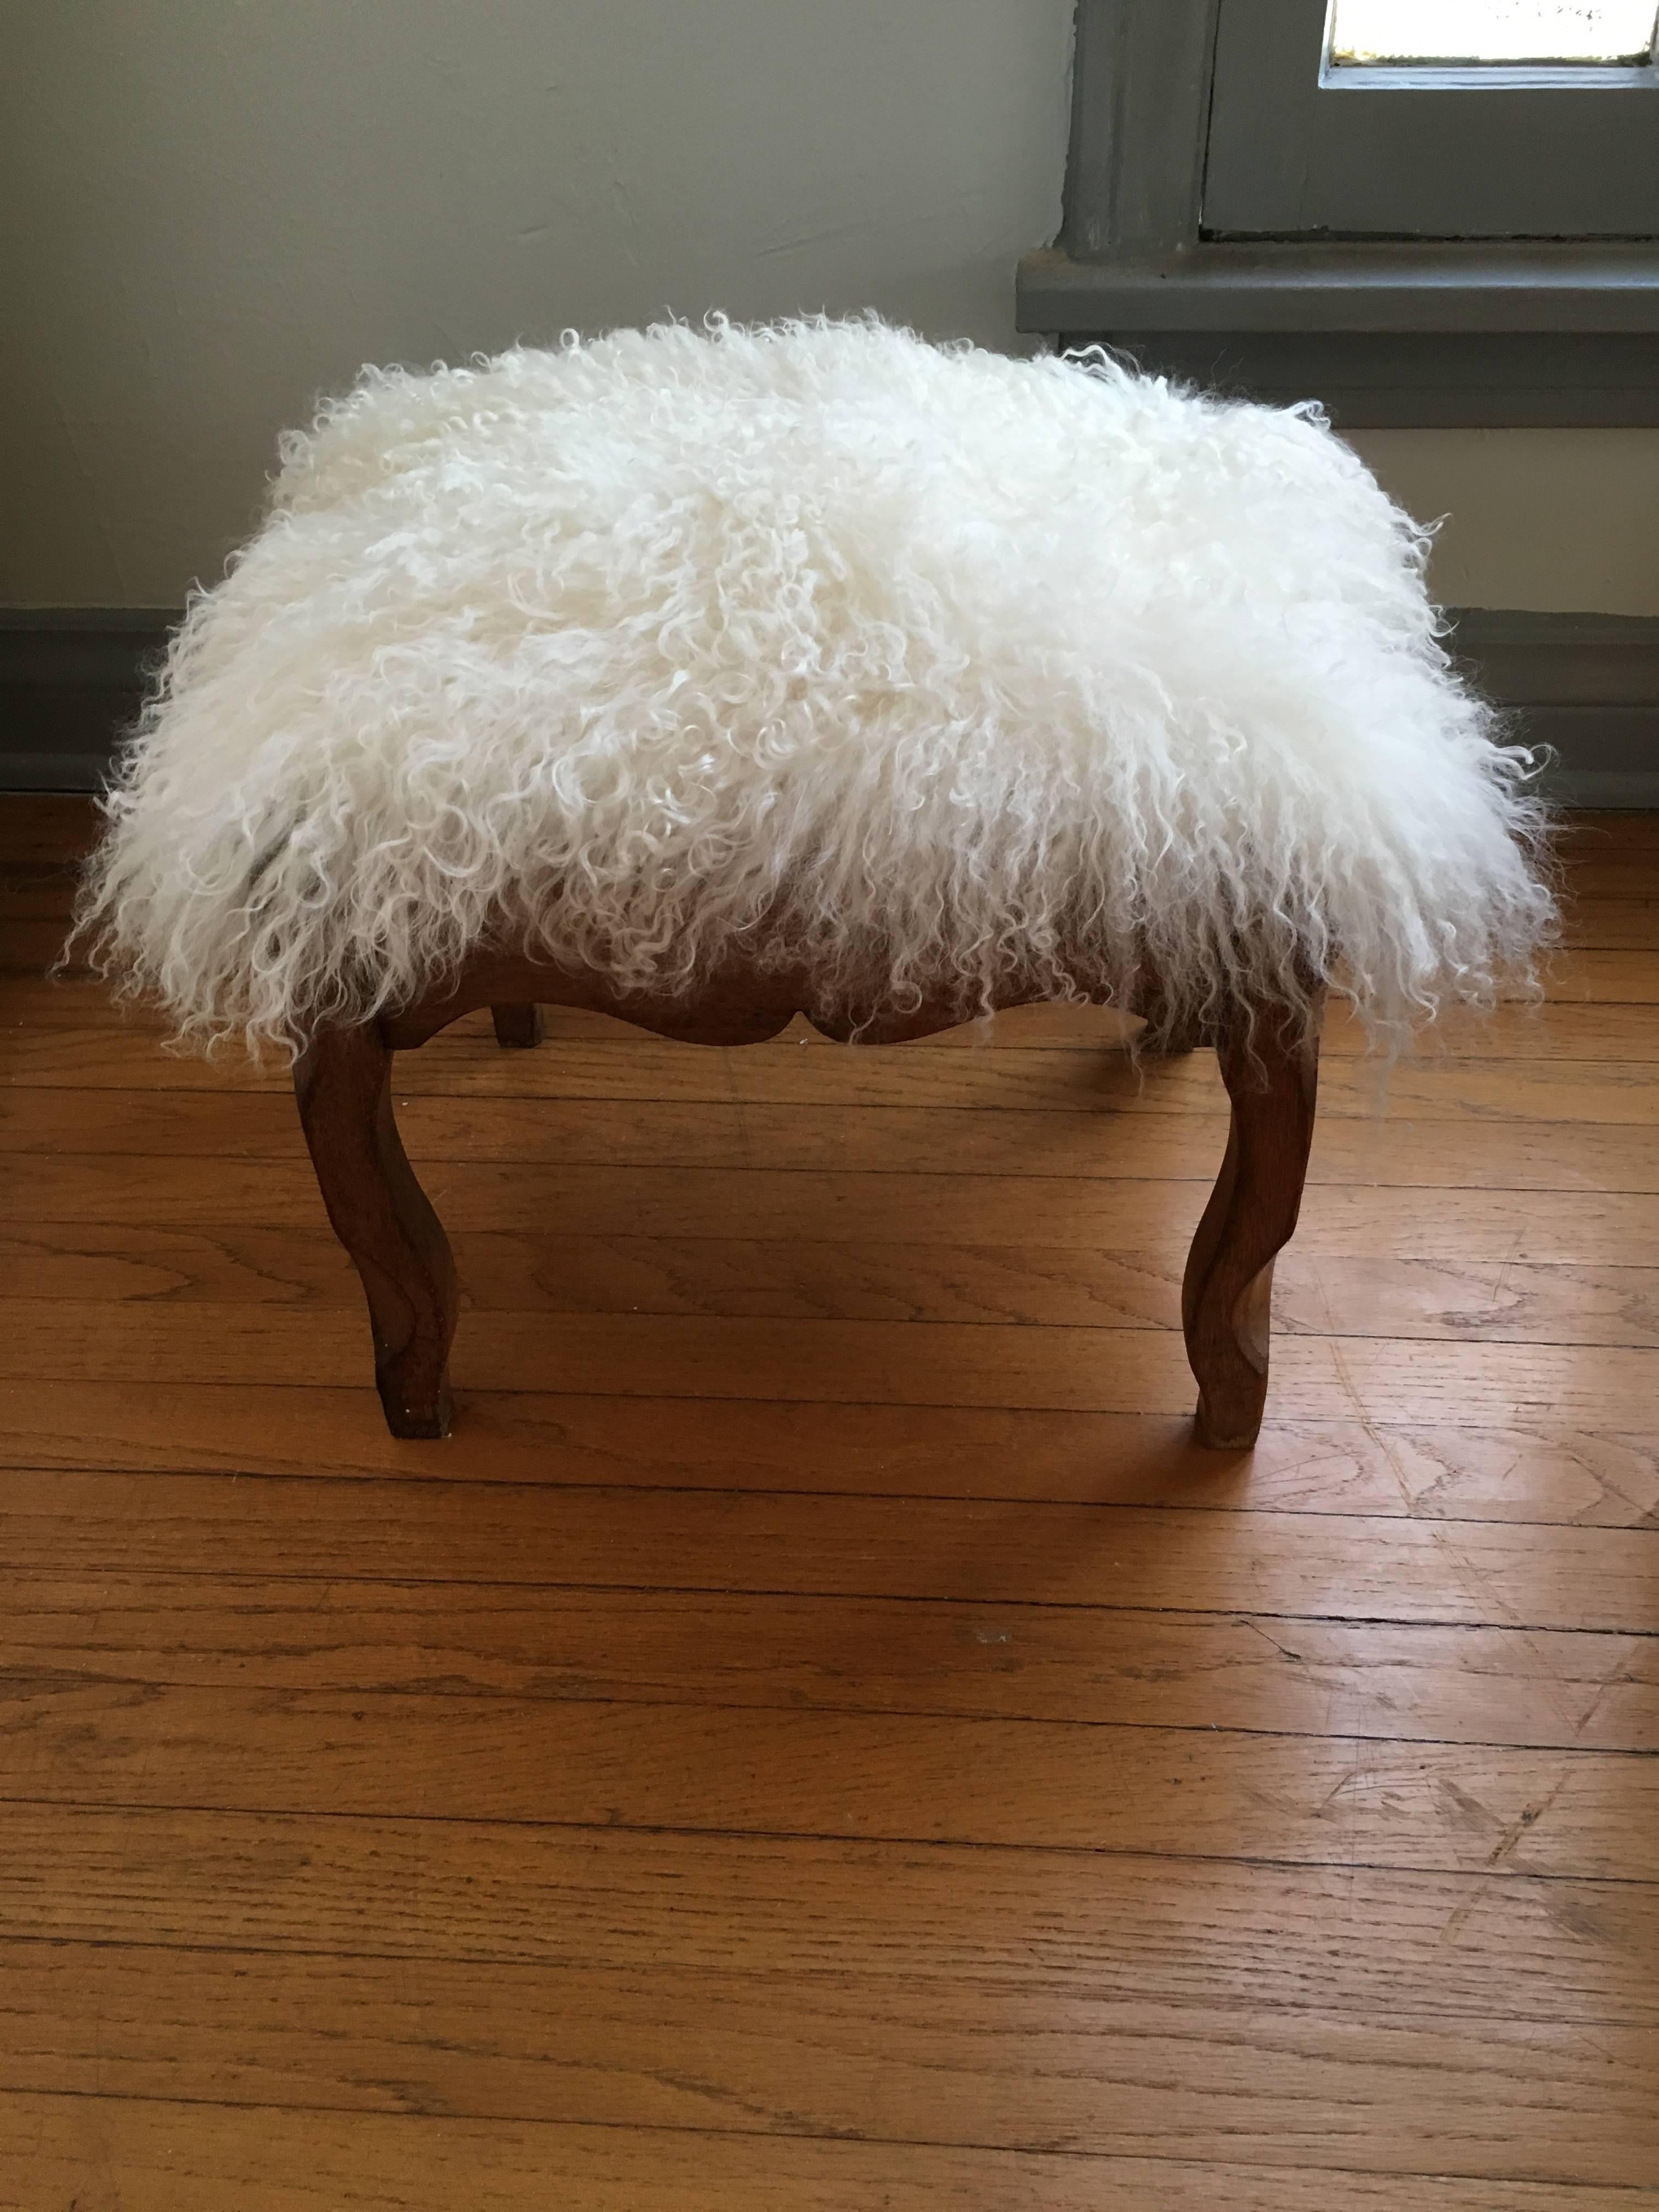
(342, 1081)
(707, 678)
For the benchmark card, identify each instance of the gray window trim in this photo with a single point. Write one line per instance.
(1297, 147)
(1537, 332)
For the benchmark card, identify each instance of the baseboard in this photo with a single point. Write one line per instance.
(1603, 791)
(72, 680)
(1586, 687)
(51, 771)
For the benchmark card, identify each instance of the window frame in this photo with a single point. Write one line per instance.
(1295, 147)
(1488, 332)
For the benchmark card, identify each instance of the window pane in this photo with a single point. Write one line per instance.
(1492, 30)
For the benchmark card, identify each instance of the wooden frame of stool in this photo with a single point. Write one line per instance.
(343, 1082)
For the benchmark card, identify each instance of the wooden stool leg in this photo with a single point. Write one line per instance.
(383, 1218)
(520, 1025)
(1226, 1296)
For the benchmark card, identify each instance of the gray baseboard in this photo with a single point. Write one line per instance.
(1586, 686)
(71, 682)
(51, 771)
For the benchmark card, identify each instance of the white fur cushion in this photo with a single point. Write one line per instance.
(923, 667)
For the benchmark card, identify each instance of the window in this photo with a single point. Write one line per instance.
(1367, 32)
(1420, 211)
(1481, 118)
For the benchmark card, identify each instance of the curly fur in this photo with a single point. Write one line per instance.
(920, 668)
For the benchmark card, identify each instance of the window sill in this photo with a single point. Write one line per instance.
(1411, 333)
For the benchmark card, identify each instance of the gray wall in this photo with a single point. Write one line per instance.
(212, 209)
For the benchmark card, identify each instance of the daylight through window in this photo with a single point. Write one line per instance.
(1499, 31)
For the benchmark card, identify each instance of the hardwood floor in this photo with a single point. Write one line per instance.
(819, 1738)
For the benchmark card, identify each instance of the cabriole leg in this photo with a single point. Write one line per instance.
(1272, 1078)
(383, 1218)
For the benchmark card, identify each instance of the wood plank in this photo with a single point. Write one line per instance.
(1609, 976)
(46, 824)
(29, 947)
(157, 2155)
(807, 1280)
(1616, 875)
(1022, 2069)
(1561, 1029)
(708, 1771)
(969, 1551)
(1132, 1371)
(1602, 828)
(62, 1127)
(688, 1202)
(1609, 923)
(1347, 1939)
(1424, 1298)
(1075, 1661)
(1461, 1226)
(1541, 1471)
(37, 890)
(824, 1078)
(1196, 1793)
